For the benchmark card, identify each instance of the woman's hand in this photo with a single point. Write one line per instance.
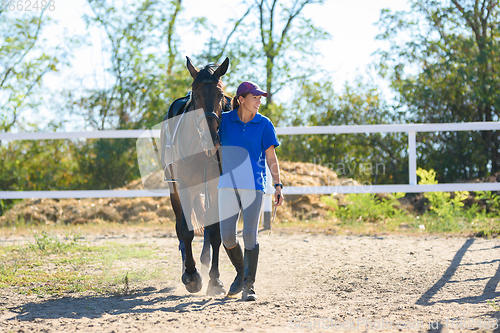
(278, 196)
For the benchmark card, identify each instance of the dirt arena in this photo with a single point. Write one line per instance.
(305, 282)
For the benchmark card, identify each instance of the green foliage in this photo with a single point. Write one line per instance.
(494, 305)
(443, 62)
(106, 163)
(492, 201)
(278, 56)
(38, 165)
(146, 79)
(367, 207)
(486, 228)
(442, 203)
(484, 220)
(75, 266)
(6, 204)
(24, 61)
(448, 213)
(433, 223)
(375, 158)
(66, 165)
(49, 243)
(441, 69)
(287, 41)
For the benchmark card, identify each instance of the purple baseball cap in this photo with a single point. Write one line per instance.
(250, 87)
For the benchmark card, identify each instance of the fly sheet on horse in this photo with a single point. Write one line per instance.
(191, 163)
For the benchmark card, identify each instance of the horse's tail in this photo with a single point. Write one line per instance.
(198, 215)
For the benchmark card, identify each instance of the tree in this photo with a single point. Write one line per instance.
(171, 41)
(40, 165)
(145, 76)
(24, 61)
(287, 46)
(375, 158)
(443, 61)
(145, 71)
(280, 54)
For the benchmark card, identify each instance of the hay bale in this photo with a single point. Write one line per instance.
(106, 213)
(145, 217)
(81, 211)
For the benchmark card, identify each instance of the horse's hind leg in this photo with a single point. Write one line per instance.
(215, 286)
(199, 210)
(205, 256)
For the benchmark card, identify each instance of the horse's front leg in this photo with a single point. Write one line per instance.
(190, 277)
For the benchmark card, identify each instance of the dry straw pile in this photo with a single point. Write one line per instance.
(159, 210)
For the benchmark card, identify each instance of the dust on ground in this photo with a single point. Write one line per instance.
(319, 283)
(305, 282)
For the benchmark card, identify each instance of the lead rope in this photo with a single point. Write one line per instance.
(274, 215)
(207, 195)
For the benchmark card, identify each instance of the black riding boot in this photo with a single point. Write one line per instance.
(251, 261)
(236, 256)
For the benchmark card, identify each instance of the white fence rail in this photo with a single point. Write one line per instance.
(412, 187)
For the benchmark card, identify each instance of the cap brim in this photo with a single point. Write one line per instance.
(258, 92)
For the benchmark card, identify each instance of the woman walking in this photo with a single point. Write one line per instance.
(248, 141)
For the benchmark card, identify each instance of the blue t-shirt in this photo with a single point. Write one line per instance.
(239, 165)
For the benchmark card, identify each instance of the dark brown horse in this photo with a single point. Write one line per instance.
(192, 164)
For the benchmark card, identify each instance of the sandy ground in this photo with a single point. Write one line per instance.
(304, 283)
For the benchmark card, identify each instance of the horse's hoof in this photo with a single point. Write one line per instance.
(215, 287)
(193, 281)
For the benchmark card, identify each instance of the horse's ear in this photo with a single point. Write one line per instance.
(222, 68)
(192, 70)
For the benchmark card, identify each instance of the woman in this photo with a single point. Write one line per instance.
(248, 140)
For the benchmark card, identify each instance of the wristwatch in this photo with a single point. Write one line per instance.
(278, 184)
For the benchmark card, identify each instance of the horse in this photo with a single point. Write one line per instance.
(192, 165)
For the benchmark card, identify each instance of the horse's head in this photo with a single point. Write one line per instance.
(209, 96)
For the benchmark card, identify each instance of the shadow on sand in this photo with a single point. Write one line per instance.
(93, 307)
(489, 291)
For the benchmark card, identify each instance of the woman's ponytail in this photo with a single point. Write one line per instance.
(235, 103)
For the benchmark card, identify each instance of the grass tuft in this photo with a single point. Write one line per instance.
(49, 265)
